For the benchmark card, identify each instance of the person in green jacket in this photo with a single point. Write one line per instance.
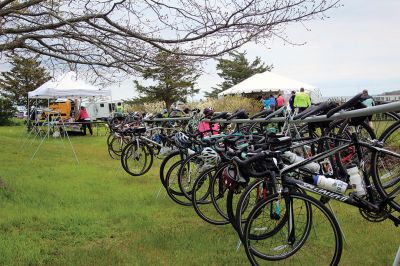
(302, 100)
(120, 108)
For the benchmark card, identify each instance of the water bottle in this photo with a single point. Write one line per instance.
(291, 158)
(330, 184)
(356, 181)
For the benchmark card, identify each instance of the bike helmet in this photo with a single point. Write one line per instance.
(207, 159)
(208, 111)
(182, 141)
(210, 157)
(232, 178)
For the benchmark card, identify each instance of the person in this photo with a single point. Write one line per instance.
(120, 108)
(165, 113)
(84, 117)
(207, 128)
(261, 99)
(302, 100)
(280, 101)
(291, 101)
(266, 103)
(368, 101)
(272, 102)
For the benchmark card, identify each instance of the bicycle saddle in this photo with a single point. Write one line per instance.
(136, 130)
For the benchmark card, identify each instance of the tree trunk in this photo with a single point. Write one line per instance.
(168, 104)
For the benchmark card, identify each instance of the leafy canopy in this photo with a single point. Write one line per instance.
(26, 74)
(174, 77)
(7, 111)
(236, 69)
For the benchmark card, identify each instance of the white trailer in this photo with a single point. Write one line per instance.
(100, 109)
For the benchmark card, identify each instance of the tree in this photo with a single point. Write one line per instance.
(126, 34)
(236, 69)
(25, 75)
(7, 111)
(174, 79)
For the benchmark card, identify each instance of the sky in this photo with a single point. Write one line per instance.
(356, 48)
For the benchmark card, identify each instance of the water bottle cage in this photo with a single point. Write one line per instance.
(377, 143)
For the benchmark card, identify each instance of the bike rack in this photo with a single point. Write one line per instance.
(389, 107)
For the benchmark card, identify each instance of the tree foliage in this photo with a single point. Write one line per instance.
(236, 69)
(7, 111)
(26, 74)
(127, 34)
(174, 78)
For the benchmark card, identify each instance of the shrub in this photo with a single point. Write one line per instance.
(230, 104)
(7, 111)
(150, 107)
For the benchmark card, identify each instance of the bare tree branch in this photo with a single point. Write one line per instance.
(127, 35)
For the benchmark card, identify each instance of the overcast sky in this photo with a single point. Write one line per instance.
(356, 48)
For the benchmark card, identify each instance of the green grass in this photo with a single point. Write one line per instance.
(56, 212)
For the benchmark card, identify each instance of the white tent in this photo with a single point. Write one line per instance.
(269, 82)
(67, 86)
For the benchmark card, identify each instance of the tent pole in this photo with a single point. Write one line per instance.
(28, 118)
(48, 118)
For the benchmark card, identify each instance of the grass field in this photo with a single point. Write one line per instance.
(56, 212)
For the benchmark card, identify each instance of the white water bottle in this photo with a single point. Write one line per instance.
(330, 184)
(294, 158)
(356, 181)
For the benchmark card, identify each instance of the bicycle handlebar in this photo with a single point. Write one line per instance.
(263, 112)
(219, 115)
(236, 114)
(350, 103)
(277, 112)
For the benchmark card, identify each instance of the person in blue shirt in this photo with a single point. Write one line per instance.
(368, 101)
(272, 102)
(267, 102)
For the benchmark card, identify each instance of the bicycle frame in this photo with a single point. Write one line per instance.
(374, 206)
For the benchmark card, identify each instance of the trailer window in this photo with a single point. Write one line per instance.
(102, 105)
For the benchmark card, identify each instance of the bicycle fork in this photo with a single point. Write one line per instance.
(291, 236)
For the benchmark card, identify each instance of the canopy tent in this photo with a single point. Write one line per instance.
(268, 82)
(67, 86)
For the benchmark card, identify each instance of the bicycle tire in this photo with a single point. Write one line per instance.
(303, 245)
(174, 194)
(185, 178)
(164, 167)
(384, 183)
(371, 135)
(238, 217)
(202, 201)
(127, 153)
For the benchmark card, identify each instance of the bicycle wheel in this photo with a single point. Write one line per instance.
(252, 194)
(117, 144)
(167, 163)
(349, 155)
(385, 166)
(202, 201)
(137, 158)
(190, 170)
(310, 235)
(172, 187)
(382, 121)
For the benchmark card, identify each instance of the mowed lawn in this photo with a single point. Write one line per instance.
(56, 212)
